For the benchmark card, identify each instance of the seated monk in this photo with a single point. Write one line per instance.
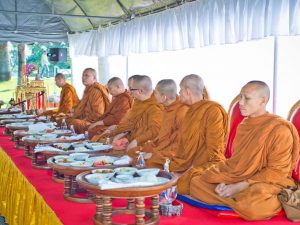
(93, 103)
(143, 121)
(125, 120)
(166, 142)
(203, 132)
(121, 103)
(68, 98)
(265, 153)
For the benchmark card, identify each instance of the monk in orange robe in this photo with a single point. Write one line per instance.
(166, 142)
(93, 104)
(144, 119)
(265, 153)
(202, 135)
(118, 108)
(68, 98)
(108, 133)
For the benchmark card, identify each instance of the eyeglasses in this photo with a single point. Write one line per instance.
(133, 89)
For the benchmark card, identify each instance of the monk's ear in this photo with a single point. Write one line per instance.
(188, 91)
(264, 100)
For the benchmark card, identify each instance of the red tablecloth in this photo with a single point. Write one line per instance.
(81, 214)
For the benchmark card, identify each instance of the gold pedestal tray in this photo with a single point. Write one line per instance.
(71, 188)
(137, 195)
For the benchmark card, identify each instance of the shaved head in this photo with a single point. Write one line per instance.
(115, 81)
(260, 87)
(168, 88)
(194, 83)
(92, 71)
(254, 97)
(131, 79)
(60, 76)
(60, 80)
(143, 83)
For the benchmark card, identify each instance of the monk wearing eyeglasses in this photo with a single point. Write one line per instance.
(143, 121)
(164, 145)
(265, 153)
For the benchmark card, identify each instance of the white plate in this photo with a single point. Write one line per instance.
(107, 159)
(81, 164)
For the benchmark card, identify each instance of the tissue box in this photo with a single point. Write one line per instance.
(171, 209)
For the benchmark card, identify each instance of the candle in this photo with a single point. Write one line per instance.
(28, 104)
(39, 100)
(43, 101)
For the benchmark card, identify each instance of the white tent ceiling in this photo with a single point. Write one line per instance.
(51, 20)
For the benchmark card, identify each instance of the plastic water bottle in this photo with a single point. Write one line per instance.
(63, 125)
(86, 135)
(140, 162)
(167, 165)
(107, 141)
(72, 129)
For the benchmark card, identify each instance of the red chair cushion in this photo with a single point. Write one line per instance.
(235, 118)
(295, 119)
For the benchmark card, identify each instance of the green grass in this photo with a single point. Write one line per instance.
(8, 88)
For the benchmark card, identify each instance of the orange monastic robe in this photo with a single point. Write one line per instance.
(90, 108)
(202, 137)
(113, 115)
(68, 100)
(164, 145)
(143, 121)
(202, 140)
(265, 153)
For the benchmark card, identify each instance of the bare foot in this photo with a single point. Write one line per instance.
(230, 190)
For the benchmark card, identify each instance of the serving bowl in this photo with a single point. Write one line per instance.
(148, 172)
(80, 156)
(125, 170)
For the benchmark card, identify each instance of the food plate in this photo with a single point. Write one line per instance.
(64, 161)
(61, 132)
(81, 164)
(102, 160)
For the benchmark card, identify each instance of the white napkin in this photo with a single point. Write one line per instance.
(113, 185)
(46, 148)
(37, 127)
(75, 137)
(124, 160)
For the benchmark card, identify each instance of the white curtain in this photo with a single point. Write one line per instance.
(194, 24)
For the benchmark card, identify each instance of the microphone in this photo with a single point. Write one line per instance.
(21, 102)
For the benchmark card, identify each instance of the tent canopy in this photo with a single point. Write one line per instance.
(51, 20)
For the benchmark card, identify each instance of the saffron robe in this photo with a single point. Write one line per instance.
(202, 137)
(90, 108)
(112, 116)
(68, 100)
(164, 145)
(265, 152)
(143, 121)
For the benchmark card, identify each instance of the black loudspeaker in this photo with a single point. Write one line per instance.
(58, 54)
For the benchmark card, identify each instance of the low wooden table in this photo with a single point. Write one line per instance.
(71, 187)
(104, 210)
(30, 145)
(19, 134)
(10, 112)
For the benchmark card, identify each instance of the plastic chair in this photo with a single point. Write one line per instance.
(235, 117)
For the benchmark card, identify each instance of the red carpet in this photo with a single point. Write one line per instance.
(81, 214)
